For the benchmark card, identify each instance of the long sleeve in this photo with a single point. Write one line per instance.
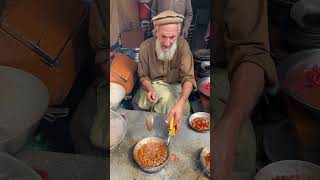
(187, 65)
(143, 65)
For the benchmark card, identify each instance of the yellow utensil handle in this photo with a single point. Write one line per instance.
(171, 126)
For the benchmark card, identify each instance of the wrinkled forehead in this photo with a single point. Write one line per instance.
(168, 30)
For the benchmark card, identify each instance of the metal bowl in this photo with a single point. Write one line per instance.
(289, 168)
(146, 141)
(197, 115)
(118, 128)
(12, 168)
(306, 58)
(203, 153)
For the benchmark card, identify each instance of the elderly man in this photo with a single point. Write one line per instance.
(179, 6)
(166, 69)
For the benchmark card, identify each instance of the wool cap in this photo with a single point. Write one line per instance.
(167, 17)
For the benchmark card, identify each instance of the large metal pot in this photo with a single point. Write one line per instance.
(146, 141)
(23, 100)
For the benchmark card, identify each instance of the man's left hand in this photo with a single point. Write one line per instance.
(177, 112)
(185, 33)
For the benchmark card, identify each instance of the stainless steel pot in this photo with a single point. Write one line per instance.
(23, 100)
(146, 141)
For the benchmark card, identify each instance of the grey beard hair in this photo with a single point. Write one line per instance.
(165, 55)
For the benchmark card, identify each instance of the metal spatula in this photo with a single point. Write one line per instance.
(149, 119)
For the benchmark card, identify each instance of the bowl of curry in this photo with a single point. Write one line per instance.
(200, 121)
(205, 156)
(151, 154)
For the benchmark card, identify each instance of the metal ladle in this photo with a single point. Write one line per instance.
(149, 119)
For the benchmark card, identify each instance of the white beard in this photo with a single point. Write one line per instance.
(165, 54)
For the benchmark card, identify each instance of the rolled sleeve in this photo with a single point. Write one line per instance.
(143, 65)
(187, 66)
(247, 38)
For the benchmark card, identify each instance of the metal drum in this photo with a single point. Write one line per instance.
(202, 62)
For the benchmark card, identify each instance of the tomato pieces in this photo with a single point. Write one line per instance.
(200, 124)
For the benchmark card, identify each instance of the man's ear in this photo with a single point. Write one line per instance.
(154, 32)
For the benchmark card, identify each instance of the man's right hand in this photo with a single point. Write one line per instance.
(152, 96)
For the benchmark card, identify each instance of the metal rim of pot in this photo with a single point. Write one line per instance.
(124, 128)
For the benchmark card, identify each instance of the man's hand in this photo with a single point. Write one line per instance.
(151, 93)
(178, 109)
(177, 112)
(152, 96)
(185, 33)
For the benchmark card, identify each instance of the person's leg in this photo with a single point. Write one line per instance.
(246, 150)
(168, 96)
